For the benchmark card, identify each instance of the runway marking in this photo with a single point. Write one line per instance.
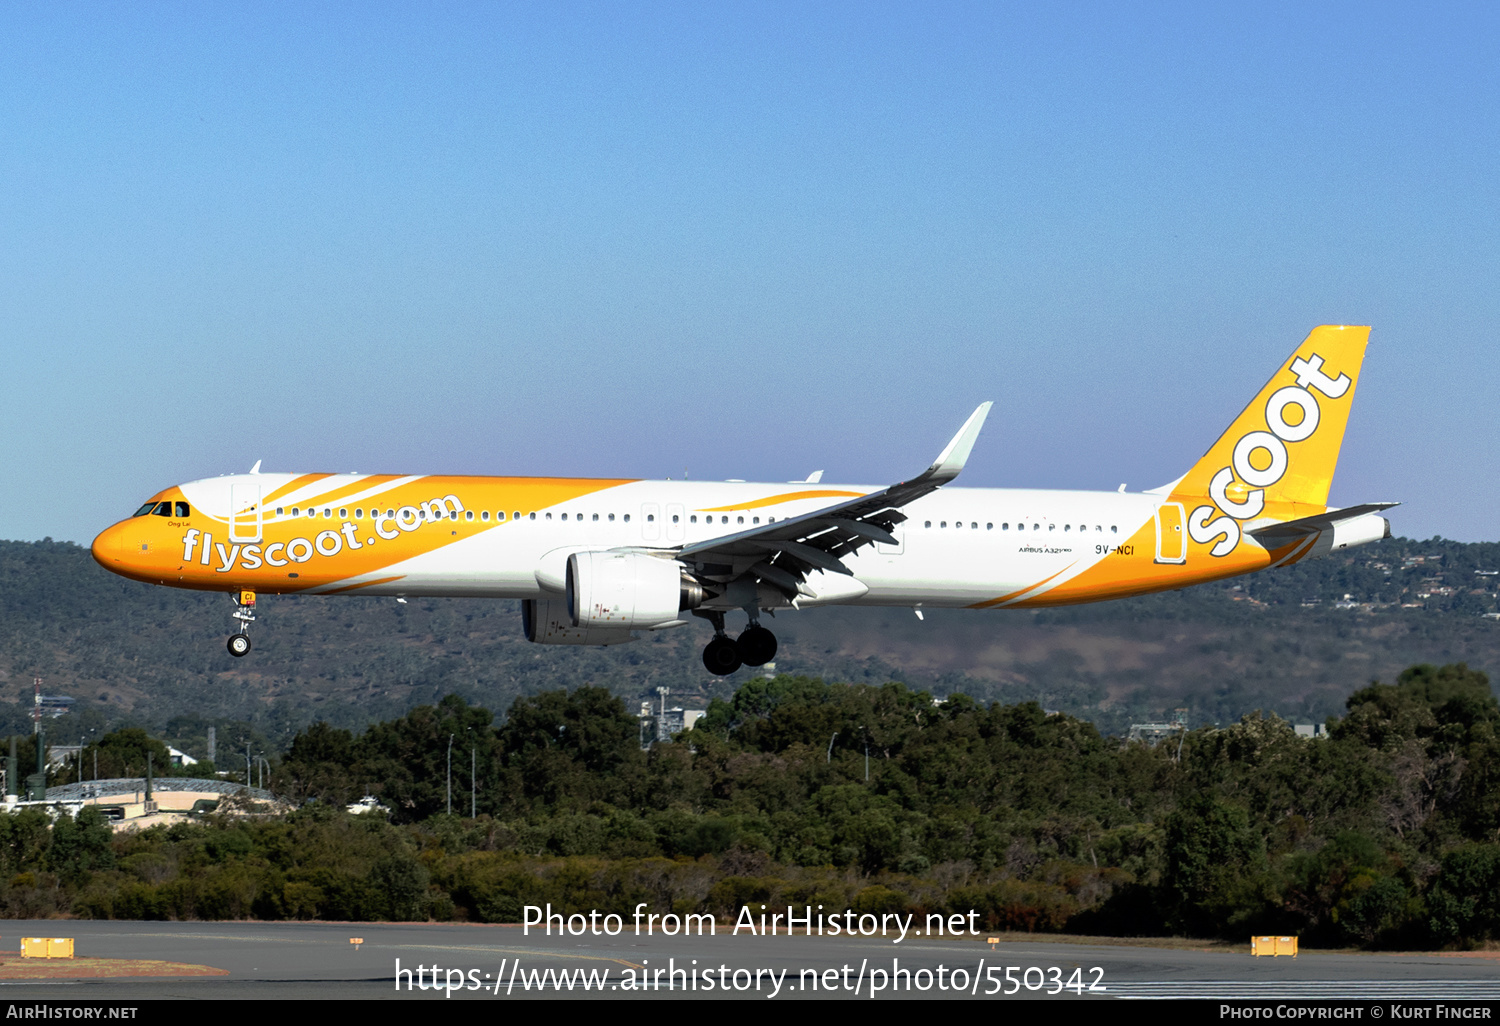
(18, 968)
(483, 949)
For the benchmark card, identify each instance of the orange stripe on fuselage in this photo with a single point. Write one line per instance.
(364, 484)
(364, 584)
(987, 603)
(784, 497)
(292, 486)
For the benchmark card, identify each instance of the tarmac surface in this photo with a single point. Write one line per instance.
(496, 963)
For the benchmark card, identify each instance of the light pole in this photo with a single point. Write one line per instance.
(450, 774)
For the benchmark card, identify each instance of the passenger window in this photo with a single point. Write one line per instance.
(611, 518)
(549, 516)
(1113, 529)
(1067, 527)
(927, 523)
(327, 514)
(469, 515)
(650, 518)
(676, 518)
(565, 516)
(163, 509)
(627, 518)
(723, 520)
(182, 510)
(693, 519)
(279, 511)
(989, 527)
(974, 527)
(755, 520)
(943, 523)
(531, 516)
(295, 512)
(739, 520)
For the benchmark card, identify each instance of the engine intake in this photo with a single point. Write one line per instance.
(627, 590)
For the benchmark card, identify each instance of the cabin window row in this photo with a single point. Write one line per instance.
(483, 515)
(1005, 526)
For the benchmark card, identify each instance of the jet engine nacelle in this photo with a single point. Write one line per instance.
(627, 590)
(548, 622)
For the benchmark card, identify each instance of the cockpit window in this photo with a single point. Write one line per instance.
(163, 509)
(183, 510)
(147, 508)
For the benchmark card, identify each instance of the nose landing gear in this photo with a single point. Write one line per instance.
(244, 612)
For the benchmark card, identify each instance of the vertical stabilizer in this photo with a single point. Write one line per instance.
(1282, 450)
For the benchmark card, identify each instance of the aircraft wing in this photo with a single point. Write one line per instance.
(1280, 533)
(784, 553)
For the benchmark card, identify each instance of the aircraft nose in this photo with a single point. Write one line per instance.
(107, 547)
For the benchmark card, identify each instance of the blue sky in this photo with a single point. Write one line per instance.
(745, 240)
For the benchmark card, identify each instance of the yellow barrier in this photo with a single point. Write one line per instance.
(1273, 946)
(46, 947)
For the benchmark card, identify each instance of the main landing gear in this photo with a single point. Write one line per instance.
(755, 646)
(244, 612)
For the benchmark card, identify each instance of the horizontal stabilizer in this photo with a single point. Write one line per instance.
(1319, 522)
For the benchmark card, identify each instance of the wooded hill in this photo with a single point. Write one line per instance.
(1277, 641)
(877, 799)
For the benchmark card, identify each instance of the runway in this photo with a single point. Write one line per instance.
(474, 962)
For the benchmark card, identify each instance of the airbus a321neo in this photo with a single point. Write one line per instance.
(595, 562)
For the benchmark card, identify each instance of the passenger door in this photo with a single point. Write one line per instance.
(1171, 540)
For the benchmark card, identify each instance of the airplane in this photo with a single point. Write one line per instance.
(598, 562)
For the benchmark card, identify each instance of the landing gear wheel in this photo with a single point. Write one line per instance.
(239, 644)
(721, 657)
(756, 646)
